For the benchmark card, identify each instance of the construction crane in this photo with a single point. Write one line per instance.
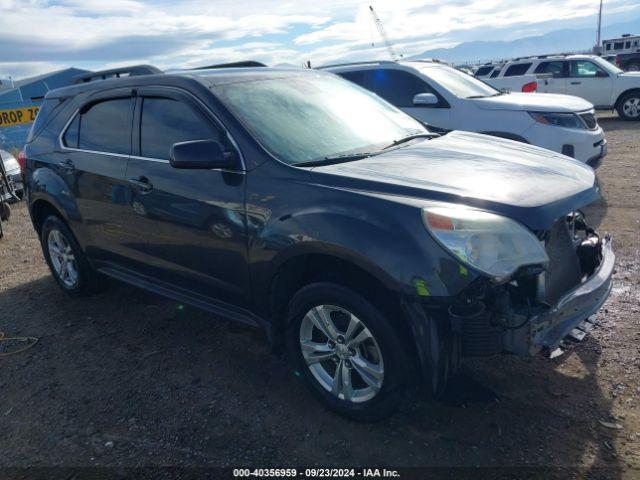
(394, 55)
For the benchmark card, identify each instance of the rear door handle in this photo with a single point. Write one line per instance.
(576, 83)
(141, 183)
(68, 166)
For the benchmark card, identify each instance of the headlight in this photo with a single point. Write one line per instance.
(567, 120)
(493, 244)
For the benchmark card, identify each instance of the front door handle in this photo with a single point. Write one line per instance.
(68, 166)
(142, 183)
(576, 83)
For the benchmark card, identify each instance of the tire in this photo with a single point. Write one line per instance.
(629, 106)
(381, 355)
(5, 211)
(77, 279)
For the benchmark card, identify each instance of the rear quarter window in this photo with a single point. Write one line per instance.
(49, 109)
(517, 69)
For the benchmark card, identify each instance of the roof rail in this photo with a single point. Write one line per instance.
(550, 55)
(132, 71)
(243, 64)
(386, 62)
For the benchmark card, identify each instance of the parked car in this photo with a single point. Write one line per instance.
(374, 252)
(14, 174)
(448, 99)
(488, 70)
(585, 76)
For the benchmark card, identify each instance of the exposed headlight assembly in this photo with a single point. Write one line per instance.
(492, 244)
(567, 120)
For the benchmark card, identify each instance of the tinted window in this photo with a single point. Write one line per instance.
(106, 127)
(627, 44)
(397, 87)
(517, 69)
(584, 68)
(555, 68)
(71, 135)
(495, 73)
(44, 113)
(355, 77)
(165, 122)
(608, 46)
(484, 70)
(618, 45)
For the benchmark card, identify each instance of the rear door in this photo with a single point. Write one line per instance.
(558, 70)
(96, 147)
(192, 221)
(590, 81)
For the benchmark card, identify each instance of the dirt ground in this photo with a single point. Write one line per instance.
(127, 378)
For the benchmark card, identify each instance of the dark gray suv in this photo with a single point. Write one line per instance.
(377, 253)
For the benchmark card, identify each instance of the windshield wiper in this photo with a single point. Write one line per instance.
(408, 138)
(331, 159)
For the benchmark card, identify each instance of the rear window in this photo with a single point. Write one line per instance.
(45, 113)
(482, 71)
(106, 127)
(517, 69)
(555, 68)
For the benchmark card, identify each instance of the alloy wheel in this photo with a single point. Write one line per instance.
(341, 353)
(631, 107)
(62, 258)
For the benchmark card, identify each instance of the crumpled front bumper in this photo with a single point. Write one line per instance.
(548, 329)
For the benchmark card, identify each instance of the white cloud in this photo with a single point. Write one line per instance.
(98, 33)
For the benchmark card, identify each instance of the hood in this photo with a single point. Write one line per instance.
(529, 184)
(534, 102)
(630, 77)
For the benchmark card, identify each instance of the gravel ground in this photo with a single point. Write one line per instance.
(127, 378)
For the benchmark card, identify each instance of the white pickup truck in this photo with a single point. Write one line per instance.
(586, 76)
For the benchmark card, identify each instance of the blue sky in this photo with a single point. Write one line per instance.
(41, 35)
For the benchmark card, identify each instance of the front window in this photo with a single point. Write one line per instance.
(458, 83)
(306, 118)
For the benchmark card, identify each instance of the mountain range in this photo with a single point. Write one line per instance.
(556, 41)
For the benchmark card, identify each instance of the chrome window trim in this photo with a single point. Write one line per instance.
(63, 147)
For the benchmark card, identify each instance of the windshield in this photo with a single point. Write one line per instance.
(608, 66)
(306, 118)
(458, 83)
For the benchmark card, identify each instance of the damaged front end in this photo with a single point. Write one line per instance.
(538, 307)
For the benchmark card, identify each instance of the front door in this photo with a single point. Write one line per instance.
(590, 81)
(399, 88)
(192, 220)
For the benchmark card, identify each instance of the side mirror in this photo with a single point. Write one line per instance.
(601, 74)
(425, 99)
(200, 154)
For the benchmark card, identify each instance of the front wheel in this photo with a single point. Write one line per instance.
(351, 356)
(629, 106)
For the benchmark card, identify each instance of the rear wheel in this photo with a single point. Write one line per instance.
(629, 106)
(351, 356)
(66, 260)
(5, 211)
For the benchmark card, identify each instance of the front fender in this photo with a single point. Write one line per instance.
(379, 234)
